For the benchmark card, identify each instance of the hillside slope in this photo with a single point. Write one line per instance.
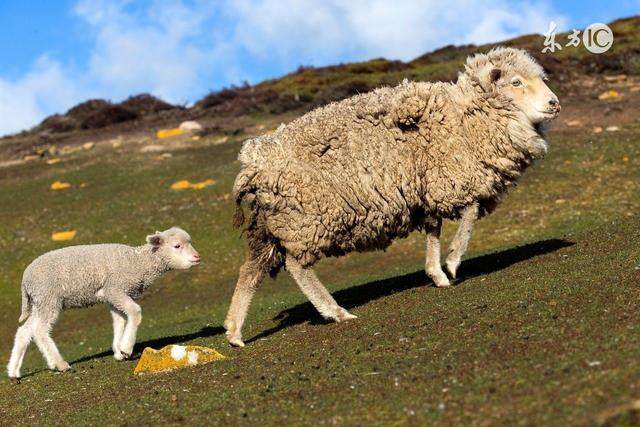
(540, 329)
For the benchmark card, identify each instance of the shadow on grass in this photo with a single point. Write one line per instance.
(356, 296)
(207, 331)
(359, 295)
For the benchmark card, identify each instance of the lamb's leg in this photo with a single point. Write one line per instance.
(432, 264)
(123, 303)
(119, 321)
(250, 277)
(41, 333)
(316, 292)
(460, 241)
(22, 341)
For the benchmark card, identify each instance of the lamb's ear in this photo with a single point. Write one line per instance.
(155, 239)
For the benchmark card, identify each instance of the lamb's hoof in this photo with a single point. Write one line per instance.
(118, 356)
(62, 366)
(125, 355)
(14, 380)
(235, 341)
(344, 315)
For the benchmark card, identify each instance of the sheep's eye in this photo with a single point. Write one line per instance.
(176, 246)
(516, 83)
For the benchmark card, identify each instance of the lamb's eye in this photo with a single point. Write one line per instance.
(176, 246)
(516, 82)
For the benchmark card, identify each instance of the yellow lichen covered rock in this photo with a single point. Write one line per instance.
(168, 133)
(174, 357)
(59, 185)
(63, 235)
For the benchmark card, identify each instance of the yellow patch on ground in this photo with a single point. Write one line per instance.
(59, 185)
(168, 133)
(186, 184)
(53, 161)
(610, 94)
(181, 185)
(174, 357)
(63, 235)
(202, 184)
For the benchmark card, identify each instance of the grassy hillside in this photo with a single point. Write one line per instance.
(541, 328)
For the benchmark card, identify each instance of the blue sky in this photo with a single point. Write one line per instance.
(58, 53)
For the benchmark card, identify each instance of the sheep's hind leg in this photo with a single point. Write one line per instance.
(22, 341)
(41, 329)
(250, 277)
(432, 263)
(119, 321)
(460, 241)
(316, 292)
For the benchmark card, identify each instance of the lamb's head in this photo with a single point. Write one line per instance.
(514, 74)
(174, 247)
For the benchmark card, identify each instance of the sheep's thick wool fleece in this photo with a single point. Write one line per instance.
(71, 276)
(356, 174)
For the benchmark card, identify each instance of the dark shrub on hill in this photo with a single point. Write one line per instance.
(342, 91)
(145, 103)
(225, 95)
(58, 123)
(87, 108)
(110, 114)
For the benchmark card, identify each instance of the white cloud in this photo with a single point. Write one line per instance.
(179, 49)
(156, 49)
(317, 32)
(46, 88)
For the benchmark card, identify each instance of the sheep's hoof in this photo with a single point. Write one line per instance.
(452, 268)
(118, 356)
(14, 380)
(443, 284)
(344, 315)
(62, 366)
(125, 355)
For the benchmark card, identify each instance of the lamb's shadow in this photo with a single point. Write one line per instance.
(359, 295)
(207, 331)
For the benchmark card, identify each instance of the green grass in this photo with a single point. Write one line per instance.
(541, 329)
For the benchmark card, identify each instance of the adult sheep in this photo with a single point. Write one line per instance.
(357, 174)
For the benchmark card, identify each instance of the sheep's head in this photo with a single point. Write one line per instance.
(513, 73)
(174, 247)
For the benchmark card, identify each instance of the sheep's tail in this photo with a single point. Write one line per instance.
(241, 188)
(26, 306)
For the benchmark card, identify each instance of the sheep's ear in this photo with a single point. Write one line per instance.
(155, 240)
(495, 74)
(488, 75)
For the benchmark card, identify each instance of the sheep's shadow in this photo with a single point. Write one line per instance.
(359, 295)
(207, 331)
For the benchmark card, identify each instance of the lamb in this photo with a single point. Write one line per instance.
(81, 276)
(357, 174)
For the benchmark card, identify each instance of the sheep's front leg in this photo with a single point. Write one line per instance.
(432, 263)
(316, 292)
(251, 275)
(126, 305)
(119, 321)
(460, 241)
